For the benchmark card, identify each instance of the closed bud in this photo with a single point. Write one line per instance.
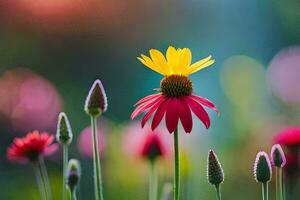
(96, 101)
(277, 156)
(262, 168)
(73, 174)
(64, 133)
(215, 172)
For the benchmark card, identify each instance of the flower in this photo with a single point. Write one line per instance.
(289, 137)
(262, 168)
(175, 98)
(31, 147)
(96, 101)
(145, 143)
(277, 156)
(85, 145)
(215, 173)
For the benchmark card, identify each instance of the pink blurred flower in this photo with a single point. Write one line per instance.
(283, 75)
(30, 101)
(289, 137)
(31, 147)
(139, 142)
(85, 144)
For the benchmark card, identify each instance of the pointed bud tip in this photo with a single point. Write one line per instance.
(277, 156)
(215, 173)
(73, 174)
(64, 133)
(96, 101)
(262, 168)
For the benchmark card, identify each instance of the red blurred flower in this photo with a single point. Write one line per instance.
(145, 143)
(175, 99)
(31, 147)
(289, 137)
(153, 147)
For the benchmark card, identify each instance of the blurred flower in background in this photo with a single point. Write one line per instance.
(28, 101)
(84, 142)
(135, 137)
(283, 75)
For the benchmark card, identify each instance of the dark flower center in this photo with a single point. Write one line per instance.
(176, 86)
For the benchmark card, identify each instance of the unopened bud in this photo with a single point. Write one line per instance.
(64, 133)
(215, 172)
(262, 168)
(277, 156)
(96, 101)
(74, 173)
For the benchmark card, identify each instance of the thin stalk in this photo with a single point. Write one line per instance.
(97, 166)
(45, 178)
(39, 181)
(65, 164)
(265, 192)
(280, 185)
(218, 193)
(177, 166)
(73, 195)
(153, 182)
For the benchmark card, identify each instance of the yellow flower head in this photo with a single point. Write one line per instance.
(176, 62)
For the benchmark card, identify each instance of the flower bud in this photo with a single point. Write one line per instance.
(153, 147)
(64, 133)
(277, 156)
(96, 101)
(215, 172)
(262, 168)
(73, 174)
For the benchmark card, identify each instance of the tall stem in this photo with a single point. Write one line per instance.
(38, 175)
(65, 164)
(280, 185)
(218, 192)
(97, 166)
(45, 178)
(153, 181)
(73, 195)
(265, 192)
(177, 167)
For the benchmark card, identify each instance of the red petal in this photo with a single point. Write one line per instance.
(159, 114)
(198, 110)
(206, 103)
(144, 106)
(172, 116)
(150, 97)
(149, 113)
(185, 115)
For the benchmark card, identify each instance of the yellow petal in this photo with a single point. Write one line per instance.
(148, 62)
(201, 64)
(185, 58)
(159, 60)
(172, 58)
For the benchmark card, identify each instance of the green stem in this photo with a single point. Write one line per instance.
(97, 166)
(73, 195)
(265, 192)
(177, 167)
(218, 192)
(65, 164)
(45, 176)
(280, 185)
(39, 180)
(153, 182)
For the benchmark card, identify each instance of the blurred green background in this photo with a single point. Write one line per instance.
(65, 45)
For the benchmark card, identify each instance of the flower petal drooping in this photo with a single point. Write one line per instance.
(73, 174)
(64, 133)
(262, 168)
(277, 156)
(96, 101)
(215, 172)
(31, 147)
